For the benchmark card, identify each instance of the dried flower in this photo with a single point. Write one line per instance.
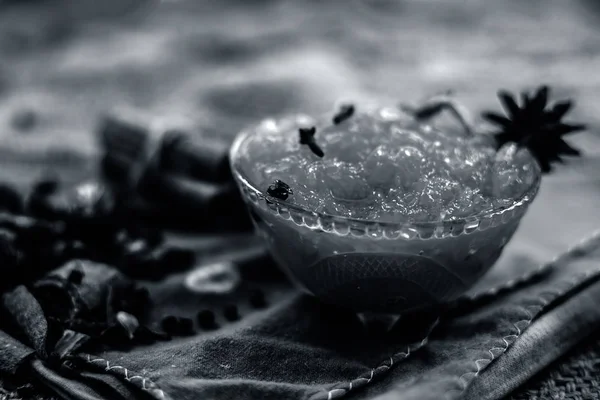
(307, 137)
(279, 190)
(535, 127)
(346, 111)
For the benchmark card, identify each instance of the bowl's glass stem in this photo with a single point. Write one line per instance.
(381, 320)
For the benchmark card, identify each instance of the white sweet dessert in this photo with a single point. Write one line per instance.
(379, 165)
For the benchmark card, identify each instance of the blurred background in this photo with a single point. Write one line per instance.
(223, 64)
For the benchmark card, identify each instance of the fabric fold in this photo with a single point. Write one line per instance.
(466, 346)
(304, 349)
(301, 348)
(551, 336)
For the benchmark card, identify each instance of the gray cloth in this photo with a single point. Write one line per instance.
(573, 377)
(301, 349)
(483, 348)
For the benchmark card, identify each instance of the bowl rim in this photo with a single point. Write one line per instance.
(241, 178)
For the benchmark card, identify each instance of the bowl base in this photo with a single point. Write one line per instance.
(379, 321)
(390, 283)
(408, 327)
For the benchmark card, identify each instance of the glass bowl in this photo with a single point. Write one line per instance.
(371, 266)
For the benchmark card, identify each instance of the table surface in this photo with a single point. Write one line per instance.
(217, 66)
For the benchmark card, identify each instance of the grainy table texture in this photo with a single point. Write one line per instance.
(219, 65)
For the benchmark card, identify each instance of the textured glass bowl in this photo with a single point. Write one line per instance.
(378, 267)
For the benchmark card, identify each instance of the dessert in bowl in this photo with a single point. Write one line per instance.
(374, 211)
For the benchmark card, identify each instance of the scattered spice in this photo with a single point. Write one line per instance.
(10, 199)
(231, 312)
(435, 105)
(124, 134)
(346, 111)
(534, 126)
(429, 110)
(68, 342)
(186, 326)
(46, 186)
(169, 323)
(279, 190)
(177, 259)
(145, 335)
(177, 326)
(127, 331)
(76, 276)
(128, 322)
(257, 299)
(307, 137)
(204, 159)
(206, 319)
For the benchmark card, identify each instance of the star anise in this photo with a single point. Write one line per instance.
(535, 125)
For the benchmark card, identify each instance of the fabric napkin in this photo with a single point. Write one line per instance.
(483, 348)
